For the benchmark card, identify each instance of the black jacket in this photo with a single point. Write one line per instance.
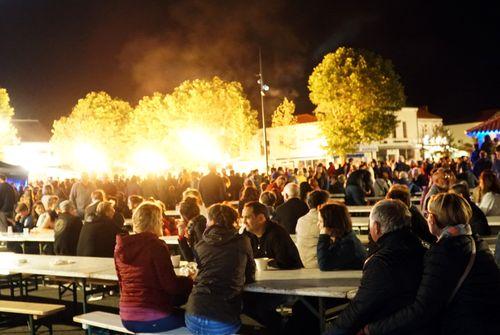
(7, 198)
(277, 244)
(390, 281)
(354, 196)
(66, 234)
(479, 222)
(195, 227)
(225, 265)
(98, 238)
(212, 189)
(288, 213)
(346, 253)
(475, 307)
(419, 226)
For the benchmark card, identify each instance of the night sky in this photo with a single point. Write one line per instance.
(53, 52)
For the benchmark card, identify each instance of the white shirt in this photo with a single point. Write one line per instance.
(307, 233)
(490, 204)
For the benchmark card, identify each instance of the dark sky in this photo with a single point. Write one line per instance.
(53, 52)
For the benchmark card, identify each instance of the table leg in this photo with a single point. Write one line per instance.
(40, 248)
(321, 310)
(84, 287)
(31, 325)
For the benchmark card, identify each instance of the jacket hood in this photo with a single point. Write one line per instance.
(130, 247)
(217, 235)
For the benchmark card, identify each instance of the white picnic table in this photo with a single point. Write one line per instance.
(493, 221)
(300, 283)
(46, 236)
(359, 209)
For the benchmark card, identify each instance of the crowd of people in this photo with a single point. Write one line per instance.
(425, 270)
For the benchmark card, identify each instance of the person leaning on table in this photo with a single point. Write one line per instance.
(459, 291)
(225, 264)
(391, 275)
(149, 287)
(338, 246)
(67, 229)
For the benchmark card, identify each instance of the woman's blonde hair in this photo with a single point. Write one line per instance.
(147, 218)
(450, 209)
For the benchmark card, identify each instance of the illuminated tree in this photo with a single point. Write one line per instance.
(284, 114)
(92, 137)
(356, 94)
(7, 131)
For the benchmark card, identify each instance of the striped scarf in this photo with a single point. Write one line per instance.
(457, 230)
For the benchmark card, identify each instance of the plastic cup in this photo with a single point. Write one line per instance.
(9, 230)
(176, 260)
(261, 263)
(26, 231)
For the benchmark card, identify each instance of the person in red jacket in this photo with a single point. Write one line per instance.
(150, 289)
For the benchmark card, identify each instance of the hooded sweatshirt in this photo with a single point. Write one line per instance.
(225, 265)
(148, 283)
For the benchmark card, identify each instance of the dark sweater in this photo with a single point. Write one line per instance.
(346, 253)
(66, 234)
(276, 244)
(98, 238)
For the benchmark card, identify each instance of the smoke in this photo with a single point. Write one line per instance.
(207, 38)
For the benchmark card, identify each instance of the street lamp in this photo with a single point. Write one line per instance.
(263, 89)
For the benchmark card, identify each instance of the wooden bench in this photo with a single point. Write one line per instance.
(34, 311)
(113, 322)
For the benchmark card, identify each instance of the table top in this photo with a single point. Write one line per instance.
(172, 240)
(45, 236)
(307, 282)
(49, 265)
(494, 221)
(359, 209)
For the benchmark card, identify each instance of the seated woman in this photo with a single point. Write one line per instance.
(149, 287)
(47, 218)
(338, 246)
(226, 264)
(460, 289)
(191, 227)
(489, 193)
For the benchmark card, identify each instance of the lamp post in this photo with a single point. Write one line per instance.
(263, 89)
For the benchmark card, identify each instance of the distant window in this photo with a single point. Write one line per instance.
(405, 135)
(394, 133)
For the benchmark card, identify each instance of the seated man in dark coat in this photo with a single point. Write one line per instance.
(98, 237)
(67, 230)
(391, 275)
(270, 240)
(288, 213)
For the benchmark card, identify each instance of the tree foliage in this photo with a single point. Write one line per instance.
(97, 121)
(197, 109)
(284, 114)
(7, 131)
(356, 94)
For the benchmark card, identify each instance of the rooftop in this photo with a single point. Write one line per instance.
(423, 113)
(490, 125)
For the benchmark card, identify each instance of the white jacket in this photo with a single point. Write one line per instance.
(490, 204)
(307, 233)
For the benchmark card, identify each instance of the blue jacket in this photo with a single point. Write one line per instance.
(346, 253)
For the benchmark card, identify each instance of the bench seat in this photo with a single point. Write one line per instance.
(113, 322)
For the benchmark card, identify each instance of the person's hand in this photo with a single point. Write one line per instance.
(326, 230)
(192, 273)
(181, 227)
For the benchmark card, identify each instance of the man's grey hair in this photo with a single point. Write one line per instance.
(66, 206)
(292, 190)
(391, 214)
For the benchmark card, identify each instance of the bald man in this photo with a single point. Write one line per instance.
(289, 212)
